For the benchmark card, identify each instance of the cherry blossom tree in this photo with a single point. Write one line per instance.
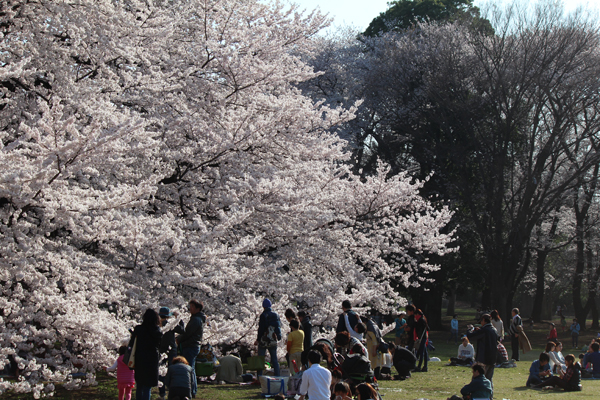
(156, 151)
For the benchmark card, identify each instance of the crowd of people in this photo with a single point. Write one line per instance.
(355, 359)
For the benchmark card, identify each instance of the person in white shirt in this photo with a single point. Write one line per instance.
(316, 380)
(465, 355)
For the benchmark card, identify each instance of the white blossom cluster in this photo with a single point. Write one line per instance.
(154, 151)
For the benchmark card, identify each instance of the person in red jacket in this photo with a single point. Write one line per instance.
(553, 334)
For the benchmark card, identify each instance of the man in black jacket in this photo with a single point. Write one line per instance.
(404, 360)
(306, 326)
(190, 339)
(487, 345)
(352, 317)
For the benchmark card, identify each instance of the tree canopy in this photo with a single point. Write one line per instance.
(404, 14)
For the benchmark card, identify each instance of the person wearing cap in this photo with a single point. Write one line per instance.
(487, 345)
(268, 325)
(168, 344)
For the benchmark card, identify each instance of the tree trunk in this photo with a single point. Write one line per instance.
(538, 301)
(579, 309)
(450, 311)
(594, 309)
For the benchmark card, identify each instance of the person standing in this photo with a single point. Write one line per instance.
(316, 380)
(454, 329)
(147, 337)
(295, 346)
(125, 376)
(418, 335)
(306, 327)
(553, 334)
(168, 345)
(191, 338)
(373, 339)
(269, 333)
(498, 324)
(516, 325)
(487, 345)
(399, 328)
(575, 328)
(352, 320)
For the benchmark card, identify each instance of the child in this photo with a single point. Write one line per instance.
(539, 370)
(553, 334)
(180, 379)
(575, 328)
(454, 329)
(295, 346)
(341, 391)
(563, 323)
(569, 380)
(125, 376)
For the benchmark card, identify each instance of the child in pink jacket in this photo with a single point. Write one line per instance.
(125, 376)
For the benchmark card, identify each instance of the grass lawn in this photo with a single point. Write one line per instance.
(439, 383)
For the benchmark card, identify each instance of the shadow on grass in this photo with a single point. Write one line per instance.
(524, 388)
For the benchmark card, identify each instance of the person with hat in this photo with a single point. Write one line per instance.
(269, 333)
(168, 344)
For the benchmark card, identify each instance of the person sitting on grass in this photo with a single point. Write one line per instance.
(466, 353)
(569, 381)
(501, 354)
(316, 380)
(593, 358)
(557, 359)
(364, 391)
(480, 387)
(342, 391)
(539, 370)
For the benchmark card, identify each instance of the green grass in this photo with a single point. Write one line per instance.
(439, 383)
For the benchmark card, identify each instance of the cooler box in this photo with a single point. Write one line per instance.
(272, 385)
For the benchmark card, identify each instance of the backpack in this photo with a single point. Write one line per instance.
(269, 338)
(356, 365)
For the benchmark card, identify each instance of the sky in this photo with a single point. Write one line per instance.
(360, 13)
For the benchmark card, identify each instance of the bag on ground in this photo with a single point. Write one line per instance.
(272, 385)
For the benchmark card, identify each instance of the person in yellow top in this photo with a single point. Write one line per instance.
(295, 345)
(373, 337)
